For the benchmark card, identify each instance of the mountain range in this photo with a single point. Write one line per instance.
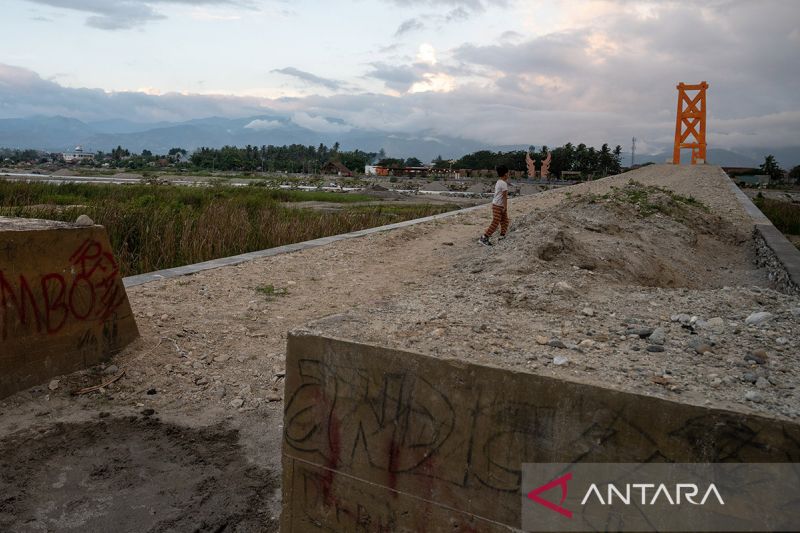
(59, 133)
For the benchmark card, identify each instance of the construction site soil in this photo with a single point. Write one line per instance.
(647, 286)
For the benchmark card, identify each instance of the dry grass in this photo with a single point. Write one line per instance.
(785, 215)
(157, 227)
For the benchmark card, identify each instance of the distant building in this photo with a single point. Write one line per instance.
(77, 155)
(376, 170)
(337, 168)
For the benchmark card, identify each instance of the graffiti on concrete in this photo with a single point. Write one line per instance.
(87, 289)
(414, 434)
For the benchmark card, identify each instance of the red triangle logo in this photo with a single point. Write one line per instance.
(558, 482)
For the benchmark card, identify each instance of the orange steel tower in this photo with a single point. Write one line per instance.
(691, 114)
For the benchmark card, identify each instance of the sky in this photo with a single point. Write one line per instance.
(495, 71)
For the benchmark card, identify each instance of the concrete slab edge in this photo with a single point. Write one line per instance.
(132, 281)
(774, 251)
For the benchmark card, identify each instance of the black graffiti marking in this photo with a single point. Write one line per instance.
(499, 433)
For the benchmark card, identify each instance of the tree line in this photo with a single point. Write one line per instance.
(292, 158)
(581, 158)
(297, 158)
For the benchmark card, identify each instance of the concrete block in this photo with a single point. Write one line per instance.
(377, 439)
(62, 303)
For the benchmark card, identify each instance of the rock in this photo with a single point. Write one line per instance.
(221, 358)
(762, 383)
(756, 319)
(700, 345)
(564, 287)
(643, 333)
(201, 380)
(541, 340)
(683, 318)
(164, 317)
(84, 220)
(753, 396)
(111, 370)
(749, 377)
(659, 336)
(655, 348)
(782, 341)
(759, 357)
(237, 403)
(716, 382)
(795, 311)
(220, 392)
(587, 311)
(560, 360)
(586, 343)
(716, 324)
(555, 343)
(54, 384)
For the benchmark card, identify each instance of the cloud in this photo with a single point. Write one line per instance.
(125, 14)
(607, 76)
(426, 54)
(629, 63)
(319, 124)
(437, 82)
(473, 5)
(310, 78)
(407, 26)
(399, 78)
(261, 124)
(457, 14)
(460, 10)
(24, 93)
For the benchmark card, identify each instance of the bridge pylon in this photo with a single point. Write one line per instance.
(690, 123)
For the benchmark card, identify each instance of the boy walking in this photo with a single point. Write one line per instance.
(499, 207)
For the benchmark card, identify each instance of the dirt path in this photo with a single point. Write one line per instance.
(207, 370)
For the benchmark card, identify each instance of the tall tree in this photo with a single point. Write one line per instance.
(794, 174)
(771, 168)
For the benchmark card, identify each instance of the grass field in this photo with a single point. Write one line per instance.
(152, 227)
(785, 215)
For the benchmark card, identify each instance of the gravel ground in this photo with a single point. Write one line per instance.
(587, 273)
(632, 287)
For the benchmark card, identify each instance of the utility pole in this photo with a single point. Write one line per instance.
(633, 151)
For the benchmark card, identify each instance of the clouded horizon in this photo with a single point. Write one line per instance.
(493, 71)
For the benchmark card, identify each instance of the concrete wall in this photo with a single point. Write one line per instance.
(62, 303)
(774, 252)
(383, 440)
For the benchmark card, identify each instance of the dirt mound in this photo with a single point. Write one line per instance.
(635, 234)
(132, 474)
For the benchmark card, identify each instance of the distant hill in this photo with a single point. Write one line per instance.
(61, 133)
(787, 157)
